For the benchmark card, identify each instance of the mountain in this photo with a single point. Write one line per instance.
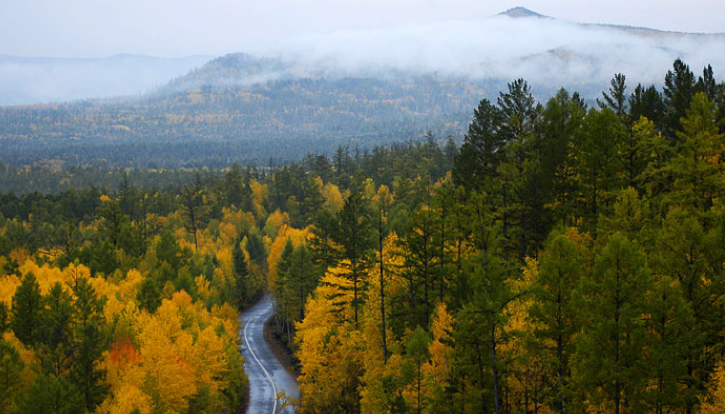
(217, 125)
(357, 88)
(32, 80)
(518, 12)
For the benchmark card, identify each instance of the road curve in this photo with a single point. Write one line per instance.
(267, 377)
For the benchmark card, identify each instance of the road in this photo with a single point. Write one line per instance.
(267, 377)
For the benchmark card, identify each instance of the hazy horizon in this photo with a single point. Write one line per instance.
(471, 42)
(165, 28)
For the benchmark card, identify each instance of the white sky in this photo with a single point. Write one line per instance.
(92, 28)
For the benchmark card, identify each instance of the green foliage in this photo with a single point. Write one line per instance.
(4, 318)
(90, 341)
(255, 248)
(10, 382)
(556, 312)
(241, 273)
(149, 294)
(538, 246)
(57, 317)
(610, 355)
(26, 311)
(51, 395)
(354, 233)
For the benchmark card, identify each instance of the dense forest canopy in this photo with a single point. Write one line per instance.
(565, 257)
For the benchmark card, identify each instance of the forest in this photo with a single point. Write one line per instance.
(216, 126)
(563, 258)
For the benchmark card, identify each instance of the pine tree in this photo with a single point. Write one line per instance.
(610, 355)
(354, 234)
(417, 353)
(26, 310)
(255, 248)
(648, 103)
(679, 88)
(240, 274)
(90, 342)
(57, 317)
(706, 83)
(4, 318)
(11, 367)
(698, 166)
(616, 99)
(555, 312)
(51, 396)
(520, 167)
(480, 153)
(669, 321)
(601, 169)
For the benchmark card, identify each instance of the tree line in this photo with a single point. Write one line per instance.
(562, 259)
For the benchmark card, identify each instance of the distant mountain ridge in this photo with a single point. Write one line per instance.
(355, 88)
(518, 12)
(523, 12)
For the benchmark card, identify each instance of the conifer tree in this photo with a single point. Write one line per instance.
(26, 311)
(354, 233)
(11, 367)
(555, 312)
(241, 273)
(610, 362)
(616, 99)
(57, 317)
(679, 89)
(90, 342)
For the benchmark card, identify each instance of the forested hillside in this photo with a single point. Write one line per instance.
(214, 126)
(564, 258)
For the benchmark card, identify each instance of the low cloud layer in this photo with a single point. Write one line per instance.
(547, 52)
(41, 80)
(541, 50)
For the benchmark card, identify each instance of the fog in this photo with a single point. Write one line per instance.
(547, 52)
(43, 80)
(541, 50)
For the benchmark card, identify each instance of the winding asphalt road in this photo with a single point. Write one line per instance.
(267, 377)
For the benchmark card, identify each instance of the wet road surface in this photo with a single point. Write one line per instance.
(267, 377)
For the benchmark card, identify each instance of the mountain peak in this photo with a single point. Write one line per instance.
(517, 12)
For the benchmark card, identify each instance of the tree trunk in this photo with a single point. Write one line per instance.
(494, 367)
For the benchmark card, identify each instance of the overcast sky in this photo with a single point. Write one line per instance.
(93, 28)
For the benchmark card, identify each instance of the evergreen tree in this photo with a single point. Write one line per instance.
(417, 353)
(556, 313)
(669, 321)
(616, 99)
(149, 294)
(706, 83)
(90, 342)
(255, 248)
(521, 163)
(481, 152)
(26, 310)
(697, 167)
(241, 273)
(610, 355)
(648, 103)
(11, 367)
(51, 396)
(679, 89)
(354, 234)
(301, 280)
(282, 287)
(4, 318)
(601, 164)
(57, 317)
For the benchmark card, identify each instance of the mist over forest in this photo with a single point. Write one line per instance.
(503, 215)
(548, 52)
